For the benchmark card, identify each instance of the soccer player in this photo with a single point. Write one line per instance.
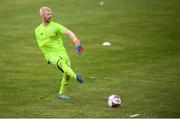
(48, 35)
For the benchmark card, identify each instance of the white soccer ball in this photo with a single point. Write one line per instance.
(114, 101)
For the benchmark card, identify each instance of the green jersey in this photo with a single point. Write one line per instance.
(49, 40)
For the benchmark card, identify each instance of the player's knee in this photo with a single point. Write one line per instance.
(59, 65)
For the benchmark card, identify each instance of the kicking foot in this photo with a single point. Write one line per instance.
(79, 78)
(63, 97)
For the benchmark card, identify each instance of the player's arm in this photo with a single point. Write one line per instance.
(76, 41)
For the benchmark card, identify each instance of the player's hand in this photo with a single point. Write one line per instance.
(79, 47)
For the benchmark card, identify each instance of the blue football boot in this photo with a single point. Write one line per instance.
(79, 78)
(63, 97)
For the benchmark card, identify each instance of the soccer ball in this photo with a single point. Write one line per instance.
(114, 101)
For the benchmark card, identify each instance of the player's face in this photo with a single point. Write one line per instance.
(47, 16)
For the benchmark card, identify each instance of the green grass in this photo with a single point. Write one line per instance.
(142, 65)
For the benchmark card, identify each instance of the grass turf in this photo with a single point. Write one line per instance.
(142, 65)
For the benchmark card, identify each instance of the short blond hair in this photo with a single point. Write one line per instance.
(42, 9)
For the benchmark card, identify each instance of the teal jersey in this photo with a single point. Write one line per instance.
(49, 39)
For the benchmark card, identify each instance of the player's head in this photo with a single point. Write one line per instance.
(46, 14)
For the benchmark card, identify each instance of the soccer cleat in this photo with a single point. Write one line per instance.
(63, 97)
(79, 78)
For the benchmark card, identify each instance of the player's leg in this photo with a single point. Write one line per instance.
(63, 87)
(65, 68)
(64, 84)
(68, 71)
(64, 65)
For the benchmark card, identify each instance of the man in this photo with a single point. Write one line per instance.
(48, 36)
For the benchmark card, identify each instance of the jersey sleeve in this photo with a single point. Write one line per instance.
(60, 28)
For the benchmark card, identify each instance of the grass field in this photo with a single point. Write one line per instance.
(142, 65)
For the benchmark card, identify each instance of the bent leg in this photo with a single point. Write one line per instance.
(65, 68)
